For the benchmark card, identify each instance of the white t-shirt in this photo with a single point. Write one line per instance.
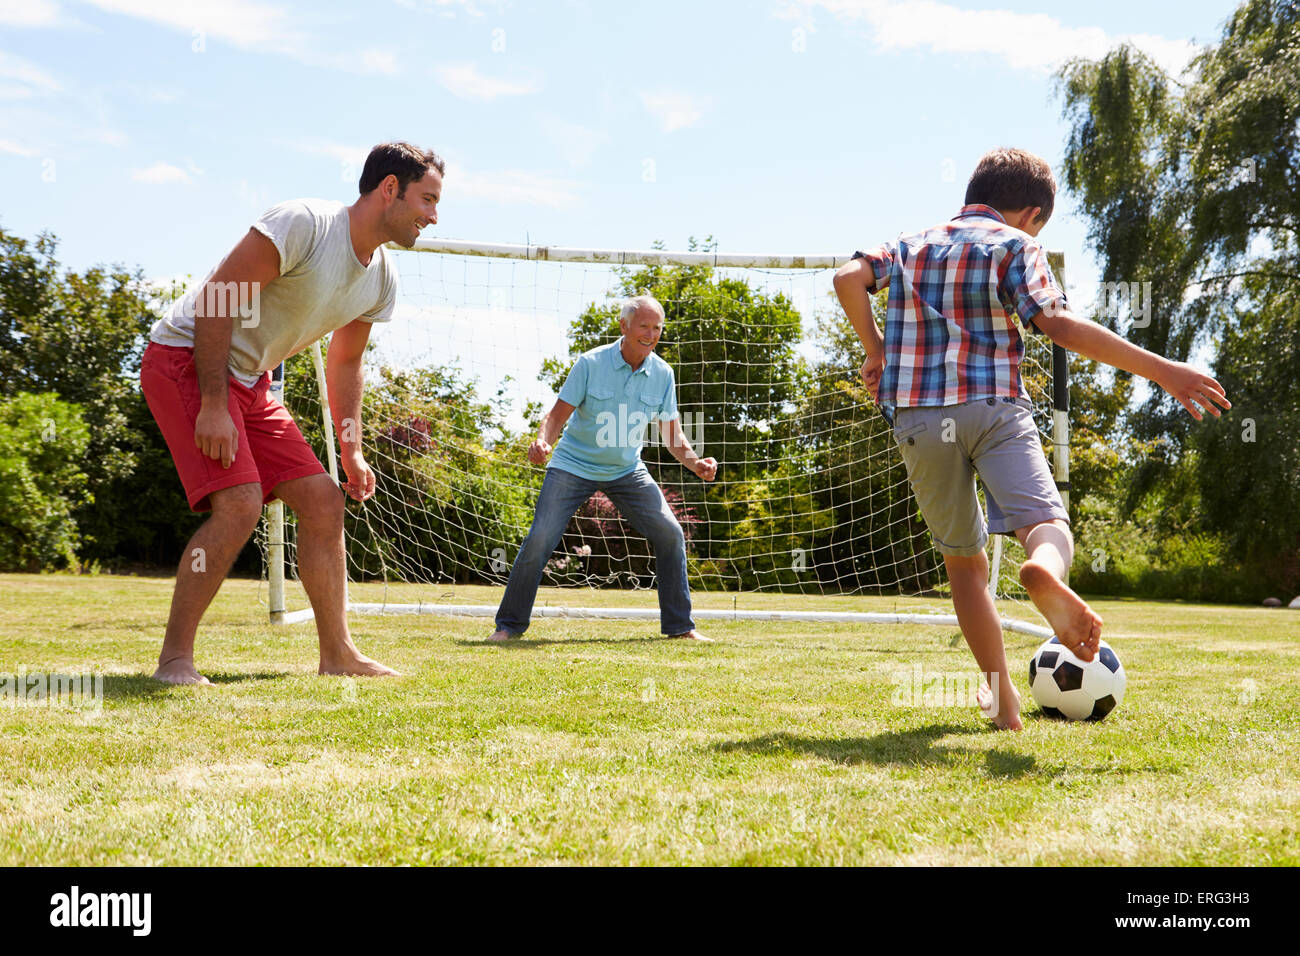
(322, 287)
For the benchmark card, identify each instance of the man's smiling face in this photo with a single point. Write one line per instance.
(641, 333)
(416, 208)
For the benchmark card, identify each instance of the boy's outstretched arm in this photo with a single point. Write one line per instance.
(854, 285)
(1193, 388)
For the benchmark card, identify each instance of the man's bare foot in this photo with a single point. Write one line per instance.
(354, 664)
(179, 670)
(1076, 625)
(692, 635)
(501, 635)
(1004, 712)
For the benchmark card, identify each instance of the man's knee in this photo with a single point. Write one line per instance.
(666, 532)
(317, 501)
(238, 509)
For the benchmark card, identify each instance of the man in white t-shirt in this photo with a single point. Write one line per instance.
(307, 268)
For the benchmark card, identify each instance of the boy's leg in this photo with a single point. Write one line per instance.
(204, 565)
(642, 503)
(982, 628)
(943, 481)
(1050, 549)
(1022, 497)
(562, 494)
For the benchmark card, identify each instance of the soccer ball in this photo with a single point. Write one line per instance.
(1065, 686)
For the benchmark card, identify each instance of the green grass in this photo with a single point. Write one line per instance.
(597, 742)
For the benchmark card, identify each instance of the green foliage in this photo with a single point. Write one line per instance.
(871, 534)
(1137, 557)
(42, 440)
(453, 486)
(1190, 185)
(81, 335)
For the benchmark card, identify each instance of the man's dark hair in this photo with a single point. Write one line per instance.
(408, 163)
(1013, 179)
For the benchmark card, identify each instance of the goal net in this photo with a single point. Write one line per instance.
(811, 497)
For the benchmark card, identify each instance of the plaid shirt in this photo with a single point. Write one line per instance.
(949, 332)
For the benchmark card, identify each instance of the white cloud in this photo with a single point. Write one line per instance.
(160, 174)
(465, 81)
(17, 149)
(33, 13)
(674, 109)
(27, 74)
(249, 25)
(512, 187)
(1032, 41)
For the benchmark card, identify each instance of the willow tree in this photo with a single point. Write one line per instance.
(1192, 184)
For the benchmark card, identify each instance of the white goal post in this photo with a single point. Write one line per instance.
(460, 284)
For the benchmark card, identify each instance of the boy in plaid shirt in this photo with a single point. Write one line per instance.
(948, 365)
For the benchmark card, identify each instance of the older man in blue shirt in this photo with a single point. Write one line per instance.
(615, 391)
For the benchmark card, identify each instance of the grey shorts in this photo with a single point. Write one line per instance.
(945, 448)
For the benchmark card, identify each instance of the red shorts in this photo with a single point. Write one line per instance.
(271, 449)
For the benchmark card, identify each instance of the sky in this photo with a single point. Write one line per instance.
(153, 132)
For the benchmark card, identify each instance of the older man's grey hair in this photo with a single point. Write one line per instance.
(630, 306)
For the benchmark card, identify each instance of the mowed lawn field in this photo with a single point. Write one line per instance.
(598, 742)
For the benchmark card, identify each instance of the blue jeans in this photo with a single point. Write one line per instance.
(640, 501)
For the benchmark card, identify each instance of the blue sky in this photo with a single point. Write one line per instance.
(152, 132)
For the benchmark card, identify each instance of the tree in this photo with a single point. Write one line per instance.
(1193, 185)
(739, 377)
(80, 336)
(42, 440)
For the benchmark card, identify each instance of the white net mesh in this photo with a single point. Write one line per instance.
(811, 496)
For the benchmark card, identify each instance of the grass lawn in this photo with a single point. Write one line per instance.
(599, 742)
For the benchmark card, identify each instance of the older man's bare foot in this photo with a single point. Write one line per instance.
(1076, 625)
(179, 670)
(1003, 708)
(354, 664)
(501, 635)
(693, 635)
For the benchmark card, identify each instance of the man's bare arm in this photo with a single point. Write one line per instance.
(344, 381)
(253, 264)
(1193, 388)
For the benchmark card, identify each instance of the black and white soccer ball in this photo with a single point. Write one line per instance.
(1065, 686)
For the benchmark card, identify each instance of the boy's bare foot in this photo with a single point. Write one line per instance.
(1077, 625)
(179, 670)
(692, 635)
(1004, 712)
(352, 663)
(501, 635)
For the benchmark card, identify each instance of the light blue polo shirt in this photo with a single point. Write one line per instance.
(613, 405)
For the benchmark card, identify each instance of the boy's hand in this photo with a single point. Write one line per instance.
(1194, 389)
(872, 369)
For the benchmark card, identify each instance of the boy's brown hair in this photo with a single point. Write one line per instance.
(1013, 179)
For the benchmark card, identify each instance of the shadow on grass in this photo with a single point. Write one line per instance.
(532, 643)
(144, 687)
(903, 748)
